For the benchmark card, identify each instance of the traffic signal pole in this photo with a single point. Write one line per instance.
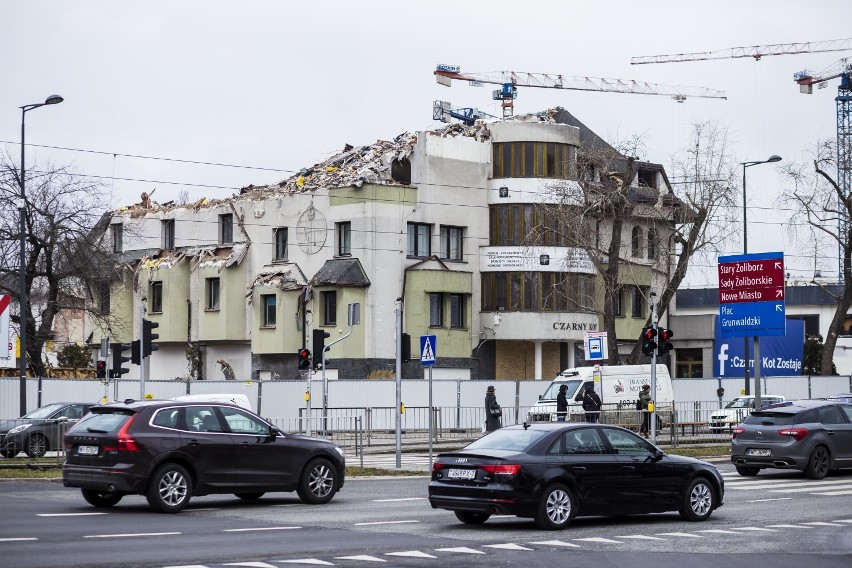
(653, 410)
(143, 365)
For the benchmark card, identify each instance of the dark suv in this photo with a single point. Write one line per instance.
(813, 436)
(170, 451)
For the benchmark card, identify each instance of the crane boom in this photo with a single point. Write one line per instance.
(546, 80)
(756, 51)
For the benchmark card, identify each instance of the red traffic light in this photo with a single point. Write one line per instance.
(305, 354)
(649, 333)
(665, 334)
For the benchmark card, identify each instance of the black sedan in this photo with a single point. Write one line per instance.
(41, 430)
(170, 451)
(553, 472)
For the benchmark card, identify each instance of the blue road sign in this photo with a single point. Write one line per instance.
(747, 319)
(758, 277)
(428, 350)
(595, 349)
(780, 356)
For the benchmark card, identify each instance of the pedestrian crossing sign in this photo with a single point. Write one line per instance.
(428, 350)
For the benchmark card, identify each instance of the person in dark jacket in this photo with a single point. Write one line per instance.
(644, 400)
(591, 404)
(562, 403)
(493, 412)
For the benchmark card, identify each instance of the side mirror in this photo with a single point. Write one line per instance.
(274, 432)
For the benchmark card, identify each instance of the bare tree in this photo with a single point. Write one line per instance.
(65, 258)
(817, 201)
(701, 219)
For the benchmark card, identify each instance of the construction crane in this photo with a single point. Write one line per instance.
(443, 111)
(756, 51)
(511, 80)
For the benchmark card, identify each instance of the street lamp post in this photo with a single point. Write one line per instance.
(772, 158)
(22, 291)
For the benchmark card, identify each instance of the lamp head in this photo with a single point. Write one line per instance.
(56, 99)
(774, 158)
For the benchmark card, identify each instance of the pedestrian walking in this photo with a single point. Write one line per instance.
(562, 403)
(591, 404)
(493, 412)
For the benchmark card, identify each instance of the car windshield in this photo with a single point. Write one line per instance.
(44, 411)
(553, 389)
(508, 439)
(768, 418)
(740, 403)
(101, 422)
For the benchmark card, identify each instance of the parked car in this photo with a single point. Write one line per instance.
(553, 472)
(41, 430)
(814, 436)
(736, 410)
(842, 397)
(170, 451)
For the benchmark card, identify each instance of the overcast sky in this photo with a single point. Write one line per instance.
(282, 84)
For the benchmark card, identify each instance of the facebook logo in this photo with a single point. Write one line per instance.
(723, 356)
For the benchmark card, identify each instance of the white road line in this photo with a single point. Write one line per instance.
(598, 539)
(313, 561)
(754, 529)
(261, 529)
(16, 539)
(399, 499)
(555, 543)
(361, 557)
(717, 531)
(687, 535)
(823, 524)
(844, 521)
(384, 523)
(832, 493)
(506, 546)
(187, 566)
(641, 537)
(776, 486)
(788, 527)
(801, 490)
(411, 554)
(460, 549)
(127, 535)
(67, 514)
(251, 564)
(765, 500)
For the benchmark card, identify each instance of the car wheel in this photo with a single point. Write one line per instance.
(8, 453)
(747, 471)
(697, 501)
(556, 508)
(169, 489)
(819, 463)
(100, 499)
(36, 446)
(318, 483)
(249, 496)
(469, 518)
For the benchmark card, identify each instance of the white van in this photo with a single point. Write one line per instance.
(240, 400)
(615, 384)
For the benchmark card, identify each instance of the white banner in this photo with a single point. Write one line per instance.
(539, 259)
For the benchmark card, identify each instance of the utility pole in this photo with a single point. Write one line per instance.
(652, 411)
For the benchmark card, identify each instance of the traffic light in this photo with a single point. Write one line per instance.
(405, 347)
(118, 359)
(101, 365)
(136, 352)
(148, 337)
(304, 359)
(665, 346)
(319, 347)
(648, 343)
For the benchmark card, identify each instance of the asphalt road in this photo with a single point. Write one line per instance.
(778, 519)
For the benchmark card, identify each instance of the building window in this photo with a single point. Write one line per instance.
(329, 308)
(636, 242)
(652, 244)
(279, 237)
(619, 303)
(157, 297)
(106, 291)
(436, 310)
(226, 229)
(451, 243)
(538, 291)
(117, 237)
(419, 236)
(532, 159)
(528, 224)
(457, 310)
(212, 293)
(267, 303)
(638, 300)
(168, 231)
(344, 238)
(690, 364)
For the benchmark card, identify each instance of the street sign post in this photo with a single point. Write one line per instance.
(428, 354)
(595, 345)
(751, 295)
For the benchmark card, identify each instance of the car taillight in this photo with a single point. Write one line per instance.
(737, 430)
(126, 442)
(502, 470)
(437, 466)
(797, 434)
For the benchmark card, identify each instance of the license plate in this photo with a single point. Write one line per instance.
(762, 453)
(461, 473)
(87, 450)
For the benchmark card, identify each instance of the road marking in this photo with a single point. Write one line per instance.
(411, 553)
(16, 539)
(261, 529)
(765, 500)
(251, 564)
(462, 549)
(187, 566)
(754, 529)
(598, 539)
(126, 535)
(384, 523)
(811, 490)
(777, 486)
(400, 499)
(507, 546)
(642, 537)
(202, 509)
(313, 561)
(717, 531)
(787, 527)
(823, 524)
(688, 535)
(844, 521)
(361, 557)
(556, 543)
(67, 514)
(832, 493)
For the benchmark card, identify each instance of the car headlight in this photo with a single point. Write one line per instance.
(339, 450)
(20, 428)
